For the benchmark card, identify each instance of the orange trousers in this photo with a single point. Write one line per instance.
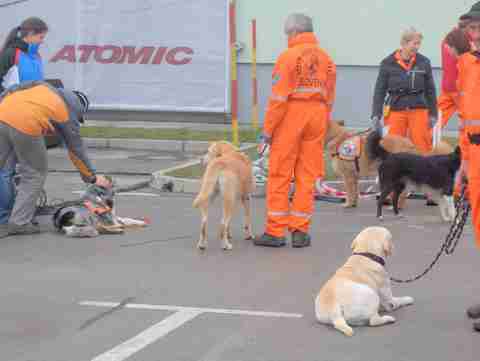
(297, 149)
(474, 188)
(414, 124)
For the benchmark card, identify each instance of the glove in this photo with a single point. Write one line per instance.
(377, 123)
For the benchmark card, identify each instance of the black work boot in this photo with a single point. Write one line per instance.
(476, 326)
(300, 239)
(24, 229)
(474, 311)
(267, 240)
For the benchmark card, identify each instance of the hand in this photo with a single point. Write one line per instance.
(464, 171)
(103, 181)
(377, 123)
(432, 121)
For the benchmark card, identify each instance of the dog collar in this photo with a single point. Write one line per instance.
(371, 256)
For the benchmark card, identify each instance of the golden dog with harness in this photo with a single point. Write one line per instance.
(350, 160)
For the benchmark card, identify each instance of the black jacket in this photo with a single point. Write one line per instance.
(414, 89)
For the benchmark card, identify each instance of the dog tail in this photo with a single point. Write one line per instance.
(210, 179)
(374, 148)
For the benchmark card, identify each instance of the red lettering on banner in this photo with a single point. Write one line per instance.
(158, 58)
(86, 51)
(173, 52)
(67, 53)
(113, 54)
(145, 53)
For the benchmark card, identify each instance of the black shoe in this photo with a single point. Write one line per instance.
(476, 326)
(474, 311)
(431, 203)
(29, 228)
(300, 239)
(267, 240)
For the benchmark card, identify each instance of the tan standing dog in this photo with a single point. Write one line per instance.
(229, 172)
(361, 287)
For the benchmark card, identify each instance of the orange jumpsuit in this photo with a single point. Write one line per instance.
(303, 91)
(469, 108)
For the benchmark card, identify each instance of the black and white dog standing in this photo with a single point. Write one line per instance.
(430, 174)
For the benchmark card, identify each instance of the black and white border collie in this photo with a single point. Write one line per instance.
(430, 174)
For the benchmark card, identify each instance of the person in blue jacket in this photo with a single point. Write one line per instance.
(20, 60)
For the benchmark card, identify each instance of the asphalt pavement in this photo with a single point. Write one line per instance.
(150, 295)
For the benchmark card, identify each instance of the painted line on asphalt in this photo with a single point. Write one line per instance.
(152, 334)
(147, 337)
(139, 306)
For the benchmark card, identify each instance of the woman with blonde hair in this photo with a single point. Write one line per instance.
(405, 93)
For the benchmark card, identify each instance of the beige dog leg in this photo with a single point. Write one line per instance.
(202, 243)
(377, 320)
(350, 189)
(355, 191)
(248, 218)
(228, 208)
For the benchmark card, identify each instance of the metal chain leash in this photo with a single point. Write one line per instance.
(462, 208)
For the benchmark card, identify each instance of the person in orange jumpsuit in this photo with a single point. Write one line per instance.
(405, 93)
(296, 122)
(455, 44)
(468, 84)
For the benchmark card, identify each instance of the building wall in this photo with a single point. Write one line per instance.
(353, 32)
(355, 85)
(357, 34)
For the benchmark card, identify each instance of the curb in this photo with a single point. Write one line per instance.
(185, 185)
(185, 146)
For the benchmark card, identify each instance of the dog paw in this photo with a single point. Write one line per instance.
(202, 246)
(388, 319)
(407, 301)
(227, 247)
(345, 329)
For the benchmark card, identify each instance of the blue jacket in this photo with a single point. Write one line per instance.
(19, 63)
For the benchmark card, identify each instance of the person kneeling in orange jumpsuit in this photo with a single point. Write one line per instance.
(469, 107)
(296, 123)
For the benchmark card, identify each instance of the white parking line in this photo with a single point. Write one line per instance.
(181, 316)
(139, 306)
(150, 335)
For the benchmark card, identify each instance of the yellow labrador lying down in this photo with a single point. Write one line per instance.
(361, 287)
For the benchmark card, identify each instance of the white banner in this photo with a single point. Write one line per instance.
(163, 55)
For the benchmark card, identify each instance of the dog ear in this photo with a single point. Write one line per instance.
(354, 244)
(388, 247)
